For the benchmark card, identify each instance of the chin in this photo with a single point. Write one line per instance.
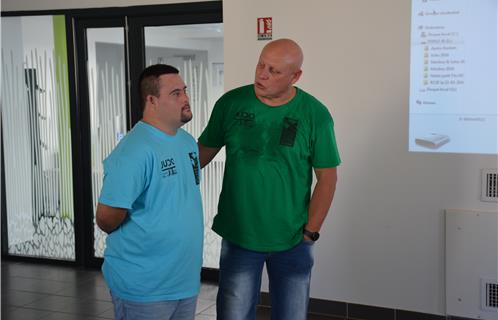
(259, 92)
(186, 118)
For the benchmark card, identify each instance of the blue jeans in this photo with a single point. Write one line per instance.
(289, 274)
(183, 309)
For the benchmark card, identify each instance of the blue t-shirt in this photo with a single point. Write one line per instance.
(156, 254)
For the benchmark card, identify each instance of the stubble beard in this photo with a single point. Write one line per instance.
(186, 116)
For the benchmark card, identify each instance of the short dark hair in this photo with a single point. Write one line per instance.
(148, 83)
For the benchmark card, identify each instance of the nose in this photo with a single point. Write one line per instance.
(262, 73)
(185, 97)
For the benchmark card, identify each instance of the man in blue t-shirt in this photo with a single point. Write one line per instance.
(150, 206)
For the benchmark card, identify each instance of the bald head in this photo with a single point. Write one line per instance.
(278, 68)
(288, 50)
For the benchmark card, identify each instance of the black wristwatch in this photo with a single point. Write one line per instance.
(312, 235)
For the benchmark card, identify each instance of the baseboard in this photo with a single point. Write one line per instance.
(210, 275)
(345, 310)
(355, 311)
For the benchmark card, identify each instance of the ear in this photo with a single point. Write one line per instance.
(151, 100)
(296, 76)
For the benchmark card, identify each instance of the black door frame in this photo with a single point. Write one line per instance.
(85, 245)
(133, 24)
(133, 19)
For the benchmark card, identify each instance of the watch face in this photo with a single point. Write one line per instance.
(312, 235)
(315, 236)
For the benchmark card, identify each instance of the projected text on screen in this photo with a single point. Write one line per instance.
(453, 76)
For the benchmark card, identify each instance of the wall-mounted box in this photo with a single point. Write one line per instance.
(472, 264)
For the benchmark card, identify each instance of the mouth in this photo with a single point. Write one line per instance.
(259, 85)
(186, 108)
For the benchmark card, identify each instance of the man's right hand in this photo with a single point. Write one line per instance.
(206, 154)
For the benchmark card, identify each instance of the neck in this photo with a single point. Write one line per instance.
(278, 100)
(169, 130)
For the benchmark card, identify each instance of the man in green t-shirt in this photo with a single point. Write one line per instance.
(275, 136)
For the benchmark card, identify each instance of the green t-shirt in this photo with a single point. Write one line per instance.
(270, 153)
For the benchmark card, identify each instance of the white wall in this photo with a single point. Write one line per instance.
(383, 243)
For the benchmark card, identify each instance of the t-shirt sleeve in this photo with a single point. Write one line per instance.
(124, 181)
(325, 153)
(213, 135)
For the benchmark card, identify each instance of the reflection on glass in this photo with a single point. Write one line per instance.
(106, 83)
(197, 51)
(36, 137)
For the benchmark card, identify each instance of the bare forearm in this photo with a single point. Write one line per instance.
(321, 200)
(206, 154)
(109, 218)
(109, 226)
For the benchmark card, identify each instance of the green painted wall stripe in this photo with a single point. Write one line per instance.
(64, 120)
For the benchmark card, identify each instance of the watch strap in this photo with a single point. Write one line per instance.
(313, 235)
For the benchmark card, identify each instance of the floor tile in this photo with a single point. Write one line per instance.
(25, 314)
(70, 316)
(208, 291)
(6, 310)
(46, 292)
(96, 278)
(204, 317)
(322, 317)
(211, 311)
(71, 305)
(86, 291)
(32, 285)
(19, 298)
(203, 305)
(46, 272)
(109, 314)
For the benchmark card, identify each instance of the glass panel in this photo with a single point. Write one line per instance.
(107, 95)
(197, 51)
(37, 138)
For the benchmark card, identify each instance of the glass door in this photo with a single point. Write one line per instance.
(69, 96)
(107, 103)
(104, 111)
(111, 55)
(36, 139)
(197, 51)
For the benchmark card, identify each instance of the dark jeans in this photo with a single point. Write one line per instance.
(289, 274)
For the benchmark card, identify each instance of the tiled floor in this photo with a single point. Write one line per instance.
(47, 292)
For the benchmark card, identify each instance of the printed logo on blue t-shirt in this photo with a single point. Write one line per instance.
(168, 167)
(195, 165)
